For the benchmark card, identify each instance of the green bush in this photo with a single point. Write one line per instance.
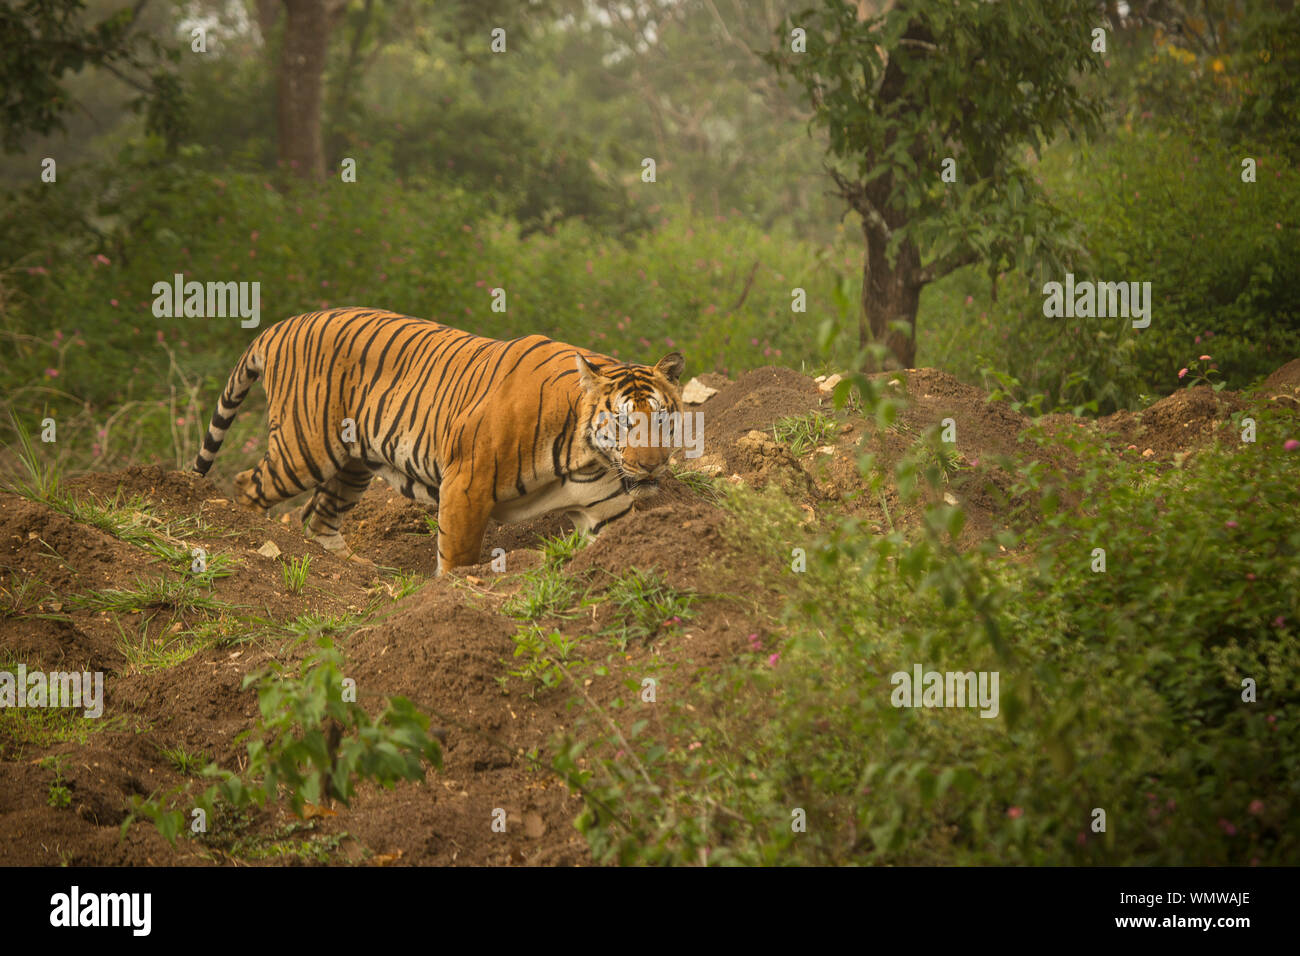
(1220, 255)
(83, 260)
(310, 742)
(1120, 691)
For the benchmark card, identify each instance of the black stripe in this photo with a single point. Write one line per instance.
(600, 524)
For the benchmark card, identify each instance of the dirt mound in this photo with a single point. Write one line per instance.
(448, 656)
(981, 428)
(714, 380)
(151, 481)
(1174, 424)
(199, 503)
(755, 401)
(677, 539)
(1283, 386)
(448, 645)
(44, 557)
(62, 554)
(99, 776)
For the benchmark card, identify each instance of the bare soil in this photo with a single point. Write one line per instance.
(448, 646)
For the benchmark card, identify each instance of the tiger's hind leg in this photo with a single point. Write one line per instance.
(271, 480)
(324, 513)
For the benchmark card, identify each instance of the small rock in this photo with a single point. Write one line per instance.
(1148, 453)
(269, 550)
(696, 392)
(534, 826)
(826, 450)
(830, 382)
(707, 464)
(949, 499)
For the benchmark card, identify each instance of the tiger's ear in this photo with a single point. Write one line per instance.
(592, 381)
(671, 366)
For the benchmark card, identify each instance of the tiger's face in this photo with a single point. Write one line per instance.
(632, 418)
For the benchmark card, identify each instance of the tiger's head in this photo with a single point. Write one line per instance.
(631, 416)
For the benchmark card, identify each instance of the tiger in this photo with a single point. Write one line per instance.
(477, 427)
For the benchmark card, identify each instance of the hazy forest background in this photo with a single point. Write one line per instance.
(523, 169)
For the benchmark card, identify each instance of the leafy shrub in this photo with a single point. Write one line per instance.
(1218, 253)
(311, 743)
(1120, 691)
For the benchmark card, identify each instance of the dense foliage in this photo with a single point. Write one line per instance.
(1158, 691)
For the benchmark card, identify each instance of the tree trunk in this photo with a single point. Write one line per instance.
(299, 89)
(889, 293)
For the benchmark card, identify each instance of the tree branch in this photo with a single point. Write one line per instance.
(855, 194)
(939, 268)
(745, 292)
(129, 81)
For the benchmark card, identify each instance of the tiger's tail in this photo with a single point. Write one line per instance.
(247, 371)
